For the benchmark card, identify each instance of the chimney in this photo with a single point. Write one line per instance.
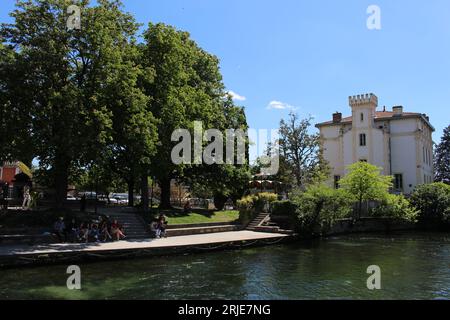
(337, 117)
(398, 110)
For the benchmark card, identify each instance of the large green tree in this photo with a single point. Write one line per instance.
(187, 87)
(81, 86)
(442, 158)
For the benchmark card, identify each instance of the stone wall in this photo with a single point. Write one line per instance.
(370, 225)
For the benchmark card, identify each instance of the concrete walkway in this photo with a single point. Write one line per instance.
(179, 241)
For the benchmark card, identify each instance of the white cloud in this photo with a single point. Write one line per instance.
(278, 105)
(236, 96)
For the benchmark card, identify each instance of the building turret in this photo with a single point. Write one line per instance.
(363, 109)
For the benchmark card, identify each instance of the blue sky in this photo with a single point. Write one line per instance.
(311, 55)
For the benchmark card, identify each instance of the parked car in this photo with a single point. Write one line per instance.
(90, 195)
(121, 198)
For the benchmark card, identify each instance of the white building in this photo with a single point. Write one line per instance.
(398, 142)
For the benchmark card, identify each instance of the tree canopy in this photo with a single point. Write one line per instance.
(95, 100)
(365, 182)
(187, 87)
(442, 158)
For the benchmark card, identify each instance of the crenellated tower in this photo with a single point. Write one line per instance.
(363, 110)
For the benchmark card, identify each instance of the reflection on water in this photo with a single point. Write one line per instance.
(413, 267)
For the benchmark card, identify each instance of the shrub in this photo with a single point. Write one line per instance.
(264, 199)
(250, 205)
(256, 201)
(246, 203)
(284, 213)
(396, 207)
(433, 203)
(283, 208)
(319, 207)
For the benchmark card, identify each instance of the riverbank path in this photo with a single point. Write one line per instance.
(179, 241)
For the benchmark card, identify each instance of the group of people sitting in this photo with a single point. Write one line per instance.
(91, 231)
(158, 227)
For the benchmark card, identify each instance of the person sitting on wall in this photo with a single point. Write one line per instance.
(94, 232)
(105, 229)
(154, 230)
(162, 226)
(83, 234)
(117, 231)
(72, 230)
(60, 230)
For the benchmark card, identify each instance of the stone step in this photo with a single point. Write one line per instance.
(134, 227)
(257, 221)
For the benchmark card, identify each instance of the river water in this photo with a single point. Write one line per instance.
(413, 266)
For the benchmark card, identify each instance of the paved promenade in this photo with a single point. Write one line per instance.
(126, 245)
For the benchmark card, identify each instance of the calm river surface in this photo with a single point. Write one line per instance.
(413, 266)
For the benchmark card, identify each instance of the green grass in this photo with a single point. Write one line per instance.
(217, 216)
(177, 216)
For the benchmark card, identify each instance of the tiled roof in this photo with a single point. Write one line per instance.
(379, 115)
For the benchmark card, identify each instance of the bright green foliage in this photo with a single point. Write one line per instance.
(249, 206)
(396, 207)
(256, 201)
(319, 207)
(246, 203)
(364, 182)
(433, 202)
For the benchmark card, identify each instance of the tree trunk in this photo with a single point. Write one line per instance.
(144, 193)
(61, 178)
(165, 194)
(360, 208)
(219, 201)
(131, 192)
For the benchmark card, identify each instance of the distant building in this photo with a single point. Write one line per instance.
(8, 171)
(399, 142)
(11, 173)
